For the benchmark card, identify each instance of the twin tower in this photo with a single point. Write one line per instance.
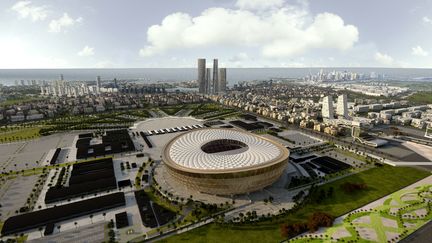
(207, 84)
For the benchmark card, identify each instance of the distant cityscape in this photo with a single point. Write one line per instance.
(334, 76)
(231, 121)
(139, 159)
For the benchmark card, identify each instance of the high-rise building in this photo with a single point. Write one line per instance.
(98, 84)
(208, 82)
(327, 107)
(342, 106)
(222, 80)
(215, 83)
(202, 76)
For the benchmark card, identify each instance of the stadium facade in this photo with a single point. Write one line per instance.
(224, 161)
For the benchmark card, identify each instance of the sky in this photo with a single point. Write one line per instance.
(240, 33)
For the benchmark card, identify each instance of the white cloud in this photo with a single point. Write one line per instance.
(64, 22)
(283, 32)
(239, 60)
(259, 4)
(427, 20)
(86, 52)
(19, 53)
(383, 59)
(26, 9)
(418, 51)
(242, 56)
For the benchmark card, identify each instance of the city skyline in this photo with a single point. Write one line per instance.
(208, 83)
(54, 34)
(215, 121)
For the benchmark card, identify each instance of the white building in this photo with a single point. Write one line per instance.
(342, 106)
(327, 107)
(98, 84)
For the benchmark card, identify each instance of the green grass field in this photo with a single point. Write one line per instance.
(20, 134)
(381, 182)
(421, 98)
(21, 100)
(172, 110)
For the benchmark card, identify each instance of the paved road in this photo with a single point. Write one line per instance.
(422, 235)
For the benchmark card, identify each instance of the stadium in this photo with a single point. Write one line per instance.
(224, 161)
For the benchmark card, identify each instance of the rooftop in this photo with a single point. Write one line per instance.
(222, 149)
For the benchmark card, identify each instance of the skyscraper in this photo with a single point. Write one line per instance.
(215, 83)
(222, 80)
(342, 106)
(208, 84)
(202, 75)
(327, 107)
(98, 84)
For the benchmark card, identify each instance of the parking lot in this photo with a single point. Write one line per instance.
(299, 138)
(27, 155)
(14, 193)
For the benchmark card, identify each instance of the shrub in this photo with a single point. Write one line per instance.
(349, 187)
(319, 219)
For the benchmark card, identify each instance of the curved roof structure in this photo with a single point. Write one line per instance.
(216, 150)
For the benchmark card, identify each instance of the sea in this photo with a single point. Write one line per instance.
(234, 75)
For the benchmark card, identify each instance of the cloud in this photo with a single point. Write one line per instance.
(242, 56)
(418, 51)
(19, 53)
(383, 59)
(281, 32)
(259, 4)
(427, 20)
(26, 9)
(64, 22)
(86, 52)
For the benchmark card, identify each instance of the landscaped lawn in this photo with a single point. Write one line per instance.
(20, 134)
(20, 100)
(421, 98)
(381, 181)
(172, 110)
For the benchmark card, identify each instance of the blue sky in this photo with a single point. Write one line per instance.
(241, 33)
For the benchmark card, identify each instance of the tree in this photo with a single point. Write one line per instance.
(319, 219)
(270, 199)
